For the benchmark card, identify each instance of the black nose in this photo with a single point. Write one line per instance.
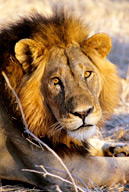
(83, 114)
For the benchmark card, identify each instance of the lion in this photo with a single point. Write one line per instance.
(67, 89)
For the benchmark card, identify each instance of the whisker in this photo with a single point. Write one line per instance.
(105, 112)
(58, 127)
(54, 128)
(53, 125)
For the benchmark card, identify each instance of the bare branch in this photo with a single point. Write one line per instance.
(46, 173)
(65, 173)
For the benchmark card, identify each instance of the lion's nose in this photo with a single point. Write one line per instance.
(83, 114)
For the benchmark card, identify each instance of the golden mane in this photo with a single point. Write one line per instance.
(62, 33)
(61, 30)
(58, 30)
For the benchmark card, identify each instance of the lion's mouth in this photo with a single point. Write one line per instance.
(82, 126)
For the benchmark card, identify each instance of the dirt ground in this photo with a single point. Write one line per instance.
(109, 16)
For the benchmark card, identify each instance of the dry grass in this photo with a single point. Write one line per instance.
(110, 16)
(9, 188)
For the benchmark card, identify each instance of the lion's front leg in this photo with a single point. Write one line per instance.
(102, 170)
(103, 148)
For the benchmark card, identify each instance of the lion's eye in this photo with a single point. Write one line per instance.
(55, 80)
(87, 74)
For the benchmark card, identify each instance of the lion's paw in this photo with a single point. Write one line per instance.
(117, 150)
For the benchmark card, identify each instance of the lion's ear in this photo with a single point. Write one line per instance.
(26, 51)
(99, 42)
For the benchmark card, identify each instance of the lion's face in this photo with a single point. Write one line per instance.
(72, 87)
(67, 90)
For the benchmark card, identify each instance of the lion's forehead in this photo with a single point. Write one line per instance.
(70, 59)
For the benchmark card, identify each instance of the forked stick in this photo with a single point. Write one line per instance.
(45, 173)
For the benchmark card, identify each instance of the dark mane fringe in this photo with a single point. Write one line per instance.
(62, 149)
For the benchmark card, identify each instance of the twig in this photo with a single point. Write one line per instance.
(18, 100)
(36, 138)
(58, 189)
(54, 169)
(33, 143)
(46, 173)
(94, 186)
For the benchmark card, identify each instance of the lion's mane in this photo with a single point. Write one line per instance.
(57, 30)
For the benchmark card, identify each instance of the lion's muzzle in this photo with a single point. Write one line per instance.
(84, 114)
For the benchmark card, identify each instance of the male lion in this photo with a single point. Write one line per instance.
(67, 90)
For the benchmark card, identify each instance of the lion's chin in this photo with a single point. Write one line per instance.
(83, 133)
